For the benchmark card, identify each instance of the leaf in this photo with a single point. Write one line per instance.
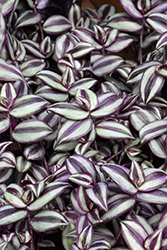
(85, 83)
(83, 179)
(2, 31)
(22, 165)
(136, 174)
(14, 194)
(84, 239)
(87, 99)
(52, 79)
(129, 6)
(82, 49)
(152, 130)
(73, 130)
(30, 131)
(122, 21)
(9, 72)
(154, 240)
(56, 24)
(8, 92)
(74, 14)
(3, 146)
(106, 65)
(27, 105)
(10, 214)
(70, 111)
(123, 41)
(99, 195)
(33, 47)
(27, 18)
(7, 160)
(158, 22)
(158, 196)
(157, 146)
(31, 67)
(109, 104)
(4, 123)
(133, 234)
(34, 152)
(118, 205)
(6, 6)
(51, 191)
(151, 84)
(154, 178)
(47, 220)
(120, 177)
(5, 174)
(113, 130)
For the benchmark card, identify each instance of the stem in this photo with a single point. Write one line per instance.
(141, 42)
(31, 232)
(113, 156)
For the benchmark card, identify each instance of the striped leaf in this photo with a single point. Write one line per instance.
(136, 174)
(3, 30)
(56, 24)
(50, 94)
(14, 195)
(94, 216)
(27, 18)
(154, 178)
(69, 110)
(151, 84)
(33, 47)
(51, 191)
(22, 165)
(46, 46)
(118, 205)
(152, 130)
(79, 164)
(3, 146)
(31, 67)
(87, 99)
(63, 45)
(34, 152)
(134, 234)
(158, 196)
(10, 214)
(101, 244)
(122, 21)
(7, 160)
(82, 49)
(123, 41)
(154, 240)
(109, 104)
(31, 131)
(157, 146)
(5, 174)
(75, 205)
(99, 195)
(129, 6)
(83, 179)
(85, 238)
(162, 41)
(113, 130)
(85, 83)
(4, 123)
(120, 177)
(47, 220)
(52, 79)
(158, 22)
(8, 92)
(73, 130)
(9, 72)
(136, 74)
(74, 14)
(106, 65)
(27, 105)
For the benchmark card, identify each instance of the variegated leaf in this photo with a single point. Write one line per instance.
(136, 174)
(120, 177)
(8, 92)
(129, 6)
(3, 30)
(74, 14)
(47, 220)
(10, 214)
(99, 195)
(123, 41)
(154, 240)
(83, 179)
(31, 67)
(152, 130)
(14, 74)
(31, 131)
(113, 130)
(85, 83)
(56, 24)
(4, 123)
(73, 130)
(5, 174)
(106, 65)
(84, 239)
(157, 146)
(158, 22)
(14, 195)
(158, 196)
(33, 47)
(27, 105)
(87, 99)
(7, 160)
(162, 41)
(3, 146)
(34, 152)
(118, 205)
(7, 6)
(22, 165)
(27, 18)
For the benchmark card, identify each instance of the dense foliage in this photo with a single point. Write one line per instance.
(83, 143)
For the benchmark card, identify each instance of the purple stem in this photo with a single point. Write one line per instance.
(141, 42)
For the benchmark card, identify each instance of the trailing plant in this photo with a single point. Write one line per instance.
(83, 143)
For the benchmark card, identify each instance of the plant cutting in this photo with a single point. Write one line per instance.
(83, 143)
